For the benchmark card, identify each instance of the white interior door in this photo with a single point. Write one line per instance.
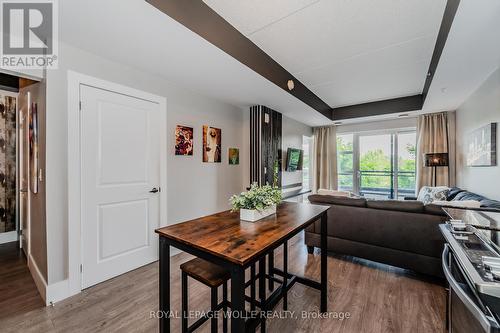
(120, 147)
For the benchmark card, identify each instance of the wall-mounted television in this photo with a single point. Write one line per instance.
(294, 158)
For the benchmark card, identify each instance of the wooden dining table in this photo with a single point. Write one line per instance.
(236, 245)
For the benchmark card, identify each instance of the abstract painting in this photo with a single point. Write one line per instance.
(183, 140)
(234, 156)
(8, 111)
(34, 148)
(481, 146)
(212, 138)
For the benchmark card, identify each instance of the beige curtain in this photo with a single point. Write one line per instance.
(325, 158)
(436, 134)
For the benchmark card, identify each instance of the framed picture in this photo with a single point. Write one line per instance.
(481, 146)
(234, 156)
(33, 146)
(183, 140)
(212, 144)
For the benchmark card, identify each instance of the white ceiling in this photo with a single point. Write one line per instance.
(471, 55)
(136, 34)
(346, 51)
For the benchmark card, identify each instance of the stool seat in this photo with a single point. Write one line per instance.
(205, 272)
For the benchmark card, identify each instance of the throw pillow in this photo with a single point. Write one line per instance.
(460, 204)
(334, 193)
(429, 194)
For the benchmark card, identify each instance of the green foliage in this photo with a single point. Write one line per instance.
(412, 150)
(344, 161)
(258, 197)
(375, 160)
(345, 155)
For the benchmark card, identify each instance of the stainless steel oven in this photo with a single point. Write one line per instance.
(467, 312)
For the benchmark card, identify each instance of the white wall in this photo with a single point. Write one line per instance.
(194, 188)
(481, 108)
(292, 133)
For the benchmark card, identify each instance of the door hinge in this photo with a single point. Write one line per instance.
(80, 105)
(81, 268)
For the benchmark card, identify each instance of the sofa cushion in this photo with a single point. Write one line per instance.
(459, 204)
(457, 194)
(333, 200)
(432, 209)
(335, 193)
(404, 231)
(468, 196)
(396, 205)
(487, 203)
(429, 194)
(452, 193)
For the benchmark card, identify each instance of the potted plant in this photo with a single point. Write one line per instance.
(257, 203)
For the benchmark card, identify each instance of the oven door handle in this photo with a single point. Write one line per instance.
(466, 300)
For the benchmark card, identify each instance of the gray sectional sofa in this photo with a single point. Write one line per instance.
(398, 233)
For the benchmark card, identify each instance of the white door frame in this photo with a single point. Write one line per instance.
(75, 80)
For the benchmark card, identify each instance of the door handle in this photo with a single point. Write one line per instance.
(154, 190)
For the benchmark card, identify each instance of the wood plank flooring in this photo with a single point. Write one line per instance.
(18, 292)
(379, 298)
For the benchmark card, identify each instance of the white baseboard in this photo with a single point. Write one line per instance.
(59, 291)
(40, 282)
(7, 237)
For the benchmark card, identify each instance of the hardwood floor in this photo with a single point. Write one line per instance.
(379, 298)
(18, 292)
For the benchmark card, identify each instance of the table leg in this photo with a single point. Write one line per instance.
(285, 277)
(262, 293)
(324, 268)
(164, 253)
(252, 287)
(214, 323)
(237, 299)
(185, 299)
(224, 308)
(270, 269)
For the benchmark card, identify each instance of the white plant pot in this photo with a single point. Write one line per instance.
(252, 215)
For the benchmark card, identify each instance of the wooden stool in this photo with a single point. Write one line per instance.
(212, 276)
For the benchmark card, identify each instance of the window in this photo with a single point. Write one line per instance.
(377, 165)
(307, 144)
(407, 149)
(345, 162)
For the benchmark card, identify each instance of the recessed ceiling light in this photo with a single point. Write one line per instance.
(290, 85)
